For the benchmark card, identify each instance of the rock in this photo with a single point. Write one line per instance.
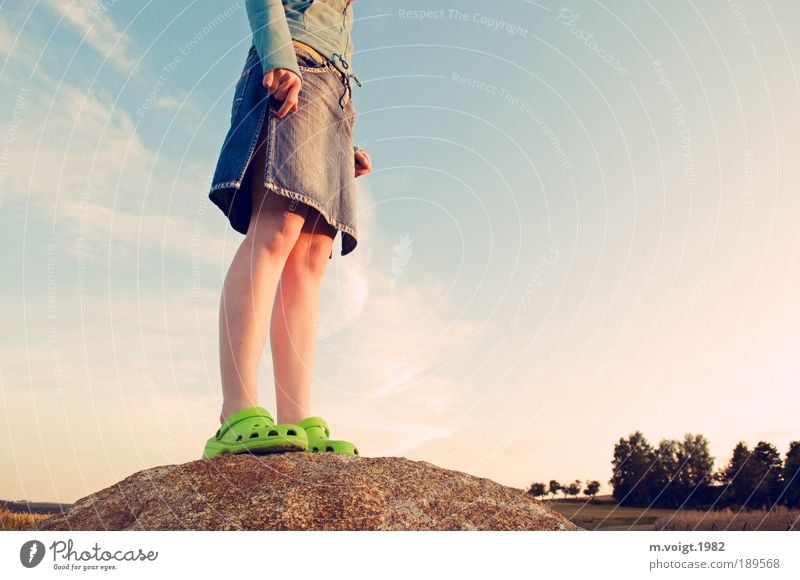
(304, 491)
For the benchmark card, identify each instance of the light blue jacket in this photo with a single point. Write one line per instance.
(325, 25)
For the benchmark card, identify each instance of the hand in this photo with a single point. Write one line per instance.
(284, 85)
(363, 163)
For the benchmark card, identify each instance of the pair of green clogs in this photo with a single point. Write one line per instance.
(253, 430)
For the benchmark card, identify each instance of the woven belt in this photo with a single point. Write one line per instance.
(316, 55)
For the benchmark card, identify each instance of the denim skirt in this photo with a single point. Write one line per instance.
(309, 153)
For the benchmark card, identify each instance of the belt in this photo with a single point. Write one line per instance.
(317, 56)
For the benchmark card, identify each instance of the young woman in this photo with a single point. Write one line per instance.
(285, 179)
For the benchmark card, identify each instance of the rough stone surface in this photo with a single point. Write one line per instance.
(301, 491)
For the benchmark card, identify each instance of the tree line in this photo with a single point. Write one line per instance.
(681, 474)
(573, 489)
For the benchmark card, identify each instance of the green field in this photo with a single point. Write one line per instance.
(604, 514)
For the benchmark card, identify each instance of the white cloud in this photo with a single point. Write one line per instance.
(385, 349)
(80, 163)
(92, 21)
(7, 36)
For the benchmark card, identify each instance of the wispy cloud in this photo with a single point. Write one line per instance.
(91, 20)
(385, 347)
(78, 162)
(7, 36)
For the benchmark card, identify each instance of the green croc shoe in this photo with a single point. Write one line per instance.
(317, 431)
(253, 430)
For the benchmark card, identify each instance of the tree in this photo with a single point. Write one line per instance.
(574, 488)
(740, 475)
(632, 462)
(537, 489)
(791, 475)
(592, 487)
(769, 473)
(697, 463)
(681, 473)
(663, 487)
(695, 469)
(554, 487)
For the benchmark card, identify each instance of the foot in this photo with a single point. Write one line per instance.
(253, 430)
(317, 432)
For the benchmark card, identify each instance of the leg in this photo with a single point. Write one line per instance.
(293, 333)
(250, 286)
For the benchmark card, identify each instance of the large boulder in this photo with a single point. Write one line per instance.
(304, 491)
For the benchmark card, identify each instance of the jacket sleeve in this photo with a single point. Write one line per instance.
(271, 35)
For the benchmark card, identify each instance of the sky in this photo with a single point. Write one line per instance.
(583, 221)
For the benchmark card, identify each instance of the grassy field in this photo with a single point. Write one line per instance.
(778, 519)
(10, 521)
(604, 514)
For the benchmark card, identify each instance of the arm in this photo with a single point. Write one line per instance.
(271, 35)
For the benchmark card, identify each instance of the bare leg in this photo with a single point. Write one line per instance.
(250, 286)
(293, 333)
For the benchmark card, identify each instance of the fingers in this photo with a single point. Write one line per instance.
(363, 163)
(284, 85)
(269, 80)
(359, 169)
(282, 89)
(365, 160)
(289, 100)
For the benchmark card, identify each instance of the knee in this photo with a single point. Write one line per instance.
(310, 259)
(275, 239)
(318, 256)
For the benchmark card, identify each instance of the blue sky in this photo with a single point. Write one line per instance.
(583, 221)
